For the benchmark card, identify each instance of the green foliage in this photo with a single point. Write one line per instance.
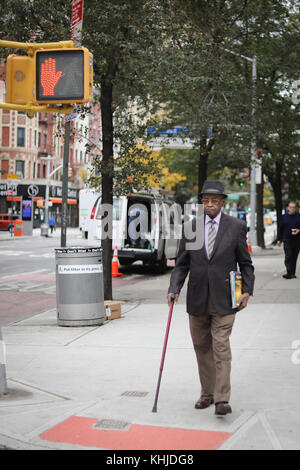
(179, 63)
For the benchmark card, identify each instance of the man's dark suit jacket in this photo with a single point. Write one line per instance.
(212, 274)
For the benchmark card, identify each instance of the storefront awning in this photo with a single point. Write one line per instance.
(58, 200)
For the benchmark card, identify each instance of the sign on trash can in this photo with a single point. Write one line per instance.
(79, 286)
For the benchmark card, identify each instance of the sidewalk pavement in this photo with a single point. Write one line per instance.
(36, 232)
(94, 387)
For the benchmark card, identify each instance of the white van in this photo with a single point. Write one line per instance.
(145, 227)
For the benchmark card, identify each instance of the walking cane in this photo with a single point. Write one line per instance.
(154, 409)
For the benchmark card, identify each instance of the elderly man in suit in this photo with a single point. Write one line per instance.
(209, 304)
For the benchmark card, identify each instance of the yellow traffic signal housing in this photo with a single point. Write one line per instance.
(63, 75)
(19, 79)
(50, 76)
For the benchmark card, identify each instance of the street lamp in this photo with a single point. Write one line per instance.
(252, 232)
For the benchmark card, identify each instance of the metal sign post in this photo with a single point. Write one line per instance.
(76, 27)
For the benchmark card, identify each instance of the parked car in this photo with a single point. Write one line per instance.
(7, 221)
(157, 219)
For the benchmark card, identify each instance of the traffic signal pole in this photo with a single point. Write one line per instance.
(64, 215)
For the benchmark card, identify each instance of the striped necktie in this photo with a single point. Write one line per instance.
(211, 238)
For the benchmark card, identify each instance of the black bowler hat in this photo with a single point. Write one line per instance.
(213, 187)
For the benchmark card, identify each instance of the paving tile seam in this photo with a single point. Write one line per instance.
(17, 442)
(258, 417)
(39, 389)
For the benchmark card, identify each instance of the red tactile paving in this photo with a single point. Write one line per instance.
(79, 430)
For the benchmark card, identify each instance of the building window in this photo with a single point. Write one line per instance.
(4, 168)
(21, 137)
(5, 136)
(20, 168)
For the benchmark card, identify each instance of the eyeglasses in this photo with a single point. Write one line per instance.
(213, 201)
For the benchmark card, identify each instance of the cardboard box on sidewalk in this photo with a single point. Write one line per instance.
(112, 309)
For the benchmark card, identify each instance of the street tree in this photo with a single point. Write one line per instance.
(125, 39)
(218, 95)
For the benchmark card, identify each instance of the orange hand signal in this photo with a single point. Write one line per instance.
(49, 76)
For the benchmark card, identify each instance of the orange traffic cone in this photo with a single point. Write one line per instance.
(249, 246)
(115, 264)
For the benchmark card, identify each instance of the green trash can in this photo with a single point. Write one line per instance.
(79, 286)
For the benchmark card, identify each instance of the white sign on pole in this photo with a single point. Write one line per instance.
(258, 173)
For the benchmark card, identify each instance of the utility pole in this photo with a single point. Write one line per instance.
(64, 215)
(252, 232)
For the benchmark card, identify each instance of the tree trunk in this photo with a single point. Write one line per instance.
(205, 150)
(107, 179)
(275, 180)
(260, 215)
(202, 173)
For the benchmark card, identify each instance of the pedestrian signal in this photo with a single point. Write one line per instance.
(50, 76)
(63, 75)
(19, 79)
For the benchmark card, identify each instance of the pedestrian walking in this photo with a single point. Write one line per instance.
(289, 234)
(209, 306)
(52, 224)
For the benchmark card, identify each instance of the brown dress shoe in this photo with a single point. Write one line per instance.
(222, 408)
(203, 403)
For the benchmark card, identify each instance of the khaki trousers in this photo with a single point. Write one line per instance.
(210, 335)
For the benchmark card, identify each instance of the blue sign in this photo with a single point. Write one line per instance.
(70, 117)
(175, 131)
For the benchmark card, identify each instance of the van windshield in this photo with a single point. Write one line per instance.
(117, 209)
